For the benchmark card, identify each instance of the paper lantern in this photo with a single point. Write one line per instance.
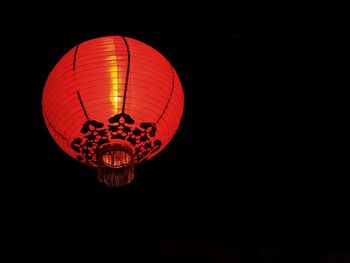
(112, 102)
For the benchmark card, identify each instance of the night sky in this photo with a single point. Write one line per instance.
(256, 172)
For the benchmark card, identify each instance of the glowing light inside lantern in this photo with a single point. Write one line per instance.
(116, 94)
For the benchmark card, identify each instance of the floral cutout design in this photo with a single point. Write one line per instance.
(94, 134)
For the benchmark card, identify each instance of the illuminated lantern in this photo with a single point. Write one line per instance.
(112, 102)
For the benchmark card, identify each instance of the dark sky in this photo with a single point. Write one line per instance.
(256, 173)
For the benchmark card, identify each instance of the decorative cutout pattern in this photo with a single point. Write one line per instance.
(94, 134)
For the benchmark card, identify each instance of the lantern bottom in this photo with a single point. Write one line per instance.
(116, 166)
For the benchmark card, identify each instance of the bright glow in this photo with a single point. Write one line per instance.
(116, 96)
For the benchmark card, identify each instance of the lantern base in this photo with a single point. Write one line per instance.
(116, 165)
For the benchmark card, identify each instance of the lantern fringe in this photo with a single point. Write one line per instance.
(116, 166)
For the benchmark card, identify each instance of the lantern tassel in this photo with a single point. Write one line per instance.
(116, 166)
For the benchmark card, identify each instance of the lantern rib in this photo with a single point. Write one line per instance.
(171, 94)
(82, 105)
(75, 57)
(53, 128)
(127, 73)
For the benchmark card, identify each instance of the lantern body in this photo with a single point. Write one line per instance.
(112, 90)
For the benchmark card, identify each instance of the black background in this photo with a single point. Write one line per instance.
(256, 173)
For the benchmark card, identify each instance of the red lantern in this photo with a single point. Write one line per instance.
(113, 102)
